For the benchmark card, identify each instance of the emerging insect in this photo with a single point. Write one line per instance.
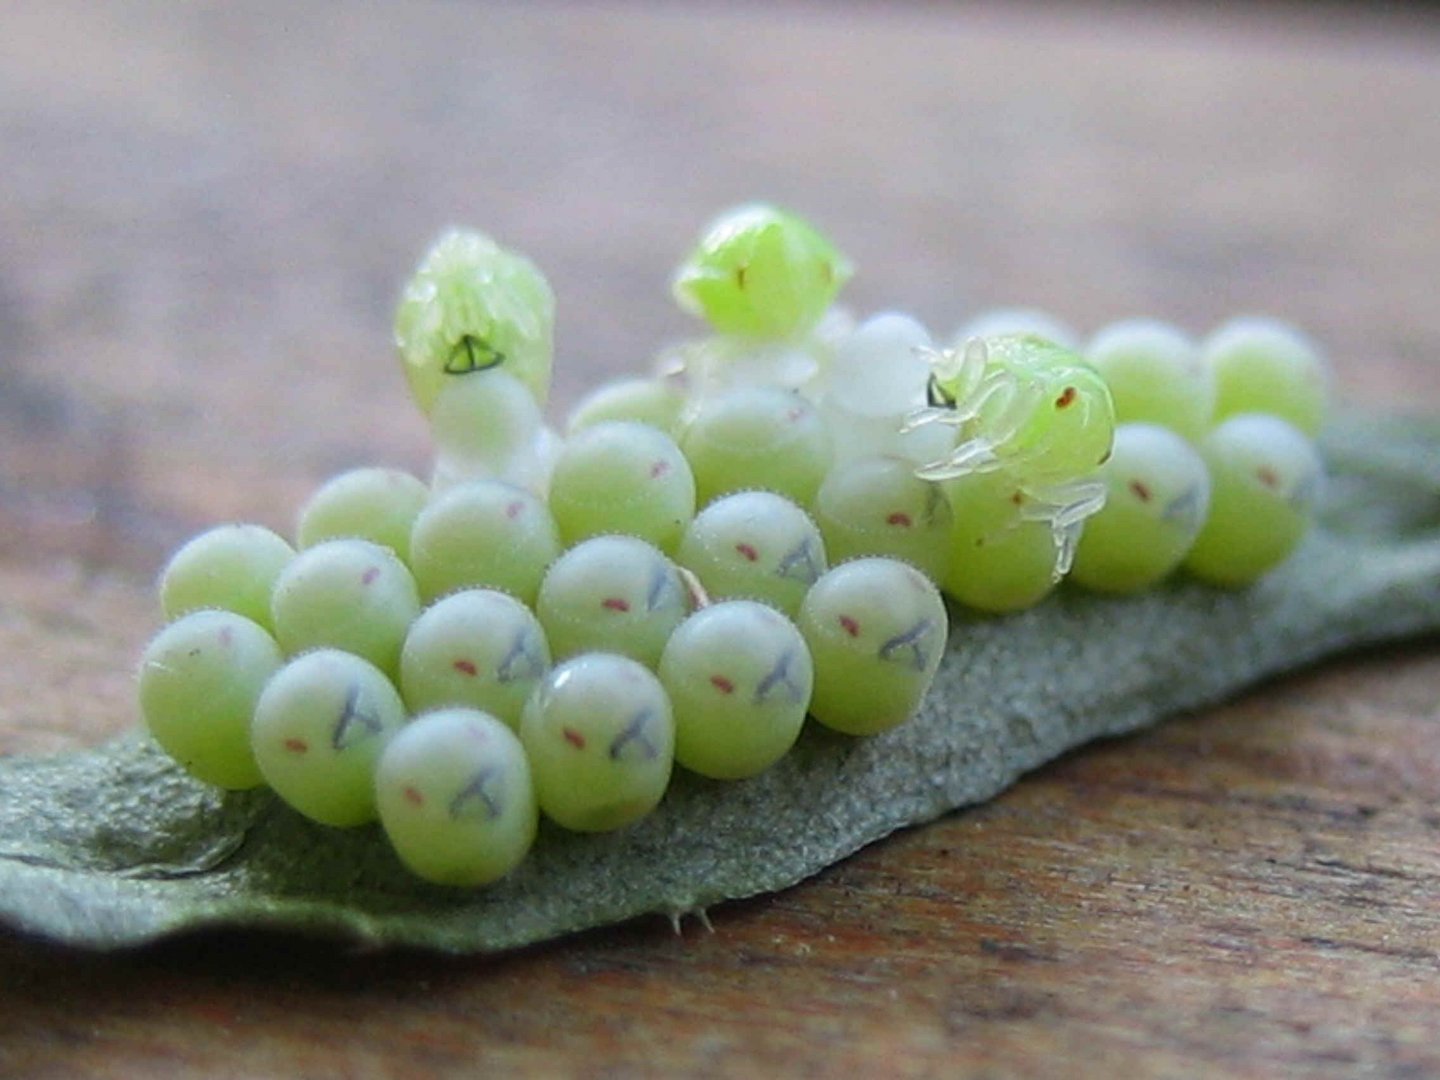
(761, 273)
(473, 306)
(1034, 409)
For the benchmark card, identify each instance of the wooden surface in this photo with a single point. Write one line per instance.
(204, 215)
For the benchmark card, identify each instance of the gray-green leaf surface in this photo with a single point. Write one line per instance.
(115, 846)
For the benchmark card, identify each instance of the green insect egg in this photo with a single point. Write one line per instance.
(622, 477)
(755, 545)
(456, 799)
(1265, 477)
(739, 678)
(476, 648)
(878, 506)
(346, 594)
(751, 437)
(379, 505)
(1157, 497)
(232, 567)
(1263, 365)
(657, 402)
(876, 629)
(600, 739)
(1155, 376)
(199, 681)
(483, 534)
(319, 727)
(613, 594)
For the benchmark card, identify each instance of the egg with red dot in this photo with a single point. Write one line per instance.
(872, 674)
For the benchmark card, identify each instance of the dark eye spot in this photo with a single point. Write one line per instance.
(937, 396)
(472, 354)
(1066, 398)
(1140, 490)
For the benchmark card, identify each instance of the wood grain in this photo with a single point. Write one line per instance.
(204, 214)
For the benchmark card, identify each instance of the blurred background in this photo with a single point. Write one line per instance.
(206, 210)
